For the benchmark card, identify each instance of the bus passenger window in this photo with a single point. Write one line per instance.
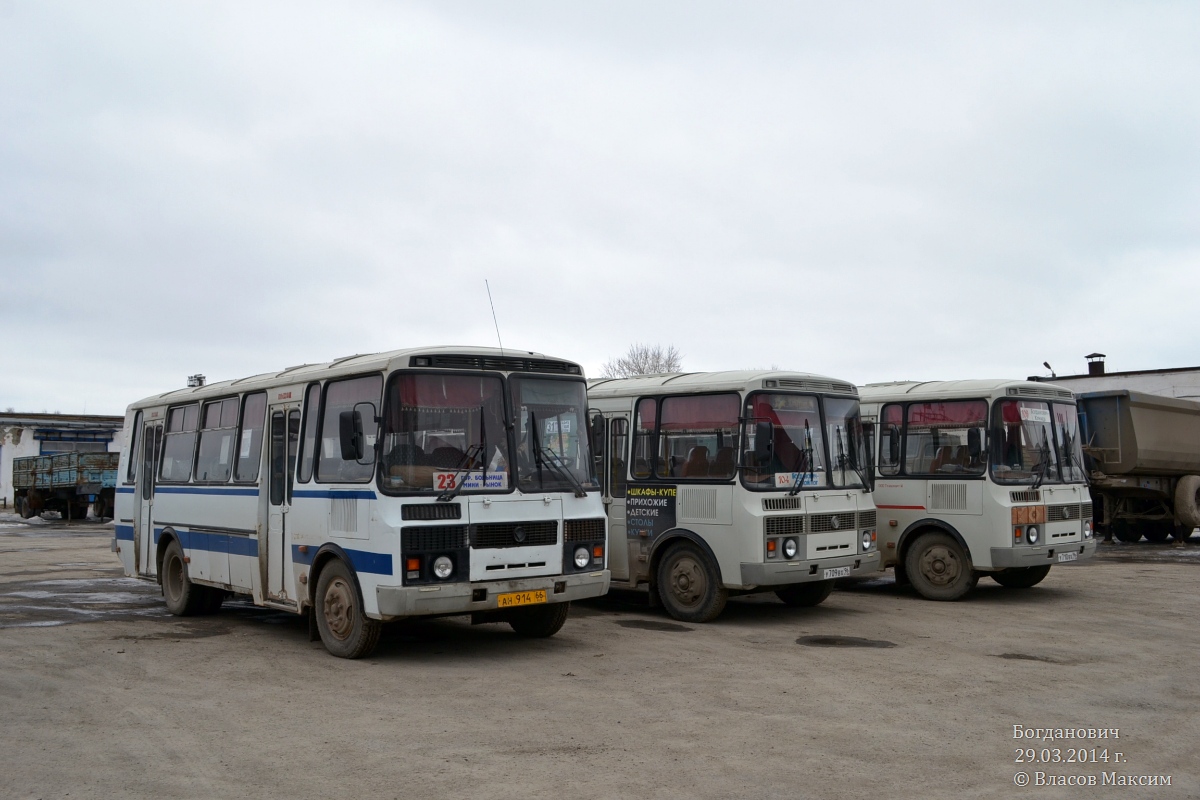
(938, 438)
(692, 431)
(891, 429)
(617, 451)
(643, 439)
(356, 394)
(309, 449)
(214, 464)
(180, 444)
(254, 413)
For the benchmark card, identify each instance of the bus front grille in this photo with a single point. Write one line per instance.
(823, 523)
(1062, 513)
(1085, 510)
(583, 530)
(791, 525)
(866, 519)
(514, 534)
(434, 537)
(781, 503)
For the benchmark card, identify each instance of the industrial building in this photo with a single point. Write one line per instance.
(41, 434)
(1181, 382)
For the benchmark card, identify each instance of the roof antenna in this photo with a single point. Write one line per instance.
(493, 305)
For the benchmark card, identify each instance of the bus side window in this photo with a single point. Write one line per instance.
(617, 452)
(355, 394)
(312, 402)
(643, 439)
(180, 444)
(250, 437)
(135, 437)
(891, 428)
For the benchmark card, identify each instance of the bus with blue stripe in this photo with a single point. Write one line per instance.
(426, 482)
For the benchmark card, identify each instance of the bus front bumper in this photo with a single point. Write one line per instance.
(1005, 557)
(784, 573)
(458, 598)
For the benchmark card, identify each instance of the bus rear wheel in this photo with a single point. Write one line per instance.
(183, 598)
(539, 622)
(805, 595)
(939, 568)
(689, 586)
(1021, 577)
(345, 630)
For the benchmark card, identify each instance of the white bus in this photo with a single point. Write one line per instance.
(436, 481)
(733, 482)
(977, 477)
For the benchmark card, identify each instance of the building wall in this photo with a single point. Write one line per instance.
(1183, 383)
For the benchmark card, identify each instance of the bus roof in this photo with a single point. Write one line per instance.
(734, 380)
(447, 357)
(929, 390)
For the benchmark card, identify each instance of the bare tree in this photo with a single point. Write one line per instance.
(643, 359)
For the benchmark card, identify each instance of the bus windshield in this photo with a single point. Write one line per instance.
(847, 447)
(445, 432)
(1066, 442)
(797, 454)
(552, 444)
(1021, 441)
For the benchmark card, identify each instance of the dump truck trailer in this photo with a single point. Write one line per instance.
(1143, 459)
(65, 482)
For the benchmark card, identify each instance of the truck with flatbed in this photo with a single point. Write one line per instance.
(1143, 457)
(65, 482)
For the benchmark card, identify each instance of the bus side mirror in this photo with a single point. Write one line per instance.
(894, 445)
(974, 443)
(598, 435)
(764, 442)
(350, 435)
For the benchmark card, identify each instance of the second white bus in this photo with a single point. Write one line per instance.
(733, 482)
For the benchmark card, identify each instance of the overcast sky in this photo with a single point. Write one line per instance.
(869, 191)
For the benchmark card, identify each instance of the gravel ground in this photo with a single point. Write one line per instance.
(876, 693)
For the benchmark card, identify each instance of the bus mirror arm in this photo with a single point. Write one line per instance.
(764, 441)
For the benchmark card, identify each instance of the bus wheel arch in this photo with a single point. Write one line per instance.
(693, 565)
(923, 526)
(164, 540)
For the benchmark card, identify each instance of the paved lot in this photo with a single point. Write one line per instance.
(104, 695)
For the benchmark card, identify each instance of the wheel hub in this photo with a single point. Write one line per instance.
(940, 566)
(687, 581)
(339, 609)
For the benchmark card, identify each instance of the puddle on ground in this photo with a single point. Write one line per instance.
(842, 641)
(1067, 662)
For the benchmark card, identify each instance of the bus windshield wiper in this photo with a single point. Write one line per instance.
(806, 466)
(1043, 461)
(464, 463)
(551, 460)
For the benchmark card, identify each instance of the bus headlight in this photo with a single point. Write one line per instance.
(1031, 534)
(442, 567)
(790, 548)
(866, 540)
(1087, 529)
(582, 557)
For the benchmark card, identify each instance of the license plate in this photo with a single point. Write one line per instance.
(1068, 557)
(520, 598)
(837, 572)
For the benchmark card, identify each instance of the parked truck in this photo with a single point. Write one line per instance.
(1143, 458)
(65, 482)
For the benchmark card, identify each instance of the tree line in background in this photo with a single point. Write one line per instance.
(643, 359)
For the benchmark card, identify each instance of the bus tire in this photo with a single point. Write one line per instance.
(183, 598)
(689, 586)
(539, 622)
(1021, 577)
(345, 630)
(939, 568)
(805, 595)
(1187, 501)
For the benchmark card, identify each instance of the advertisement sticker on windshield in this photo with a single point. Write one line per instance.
(1035, 415)
(786, 480)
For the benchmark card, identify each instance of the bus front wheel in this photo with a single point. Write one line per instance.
(1021, 577)
(689, 586)
(345, 630)
(539, 622)
(939, 568)
(805, 595)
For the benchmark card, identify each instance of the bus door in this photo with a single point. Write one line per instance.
(281, 467)
(616, 470)
(143, 517)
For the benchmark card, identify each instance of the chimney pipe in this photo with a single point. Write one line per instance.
(1095, 364)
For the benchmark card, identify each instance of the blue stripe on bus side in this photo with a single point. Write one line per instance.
(212, 542)
(124, 490)
(221, 490)
(124, 532)
(361, 560)
(334, 494)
